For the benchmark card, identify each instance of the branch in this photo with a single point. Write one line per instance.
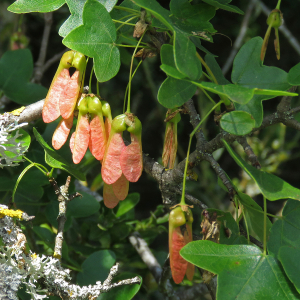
(38, 73)
(17, 267)
(151, 262)
(238, 42)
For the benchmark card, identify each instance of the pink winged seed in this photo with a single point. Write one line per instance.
(109, 198)
(61, 132)
(111, 169)
(69, 96)
(81, 140)
(51, 109)
(97, 143)
(131, 160)
(121, 187)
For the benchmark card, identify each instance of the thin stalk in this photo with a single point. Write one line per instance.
(130, 72)
(182, 202)
(207, 95)
(126, 91)
(214, 79)
(207, 76)
(278, 4)
(127, 16)
(138, 13)
(265, 225)
(90, 81)
(246, 224)
(125, 23)
(236, 211)
(38, 166)
(98, 93)
(128, 46)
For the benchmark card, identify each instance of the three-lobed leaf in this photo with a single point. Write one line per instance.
(96, 38)
(243, 271)
(223, 4)
(42, 6)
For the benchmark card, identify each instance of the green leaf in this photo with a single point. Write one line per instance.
(294, 75)
(286, 231)
(157, 11)
(6, 184)
(185, 56)
(234, 92)
(174, 92)
(96, 267)
(168, 62)
(26, 6)
(126, 292)
(271, 186)
(83, 207)
(76, 10)
(197, 43)
(54, 160)
(243, 271)
(129, 203)
(254, 216)
(223, 4)
(96, 38)
(192, 19)
(249, 72)
(215, 68)
(284, 241)
(16, 69)
(237, 122)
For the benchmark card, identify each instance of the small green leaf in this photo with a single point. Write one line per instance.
(54, 160)
(125, 292)
(192, 19)
(16, 69)
(197, 43)
(185, 56)
(168, 63)
(237, 122)
(96, 38)
(76, 9)
(223, 4)
(271, 186)
(96, 267)
(249, 72)
(243, 271)
(294, 75)
(129, 203)
(42, 6)
(254, 216)
(157, 11)
(174, 92)
(234, 92)
(83, 207)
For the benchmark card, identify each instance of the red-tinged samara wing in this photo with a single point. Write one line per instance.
(81, 140)
(109, 198)
(97, 143)
(51, 109)
(131, 159)
(61, 132)
(121, 187)
(69, 96)
(188, 237)
(72, 141)
(111, 169)
(177, 263)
